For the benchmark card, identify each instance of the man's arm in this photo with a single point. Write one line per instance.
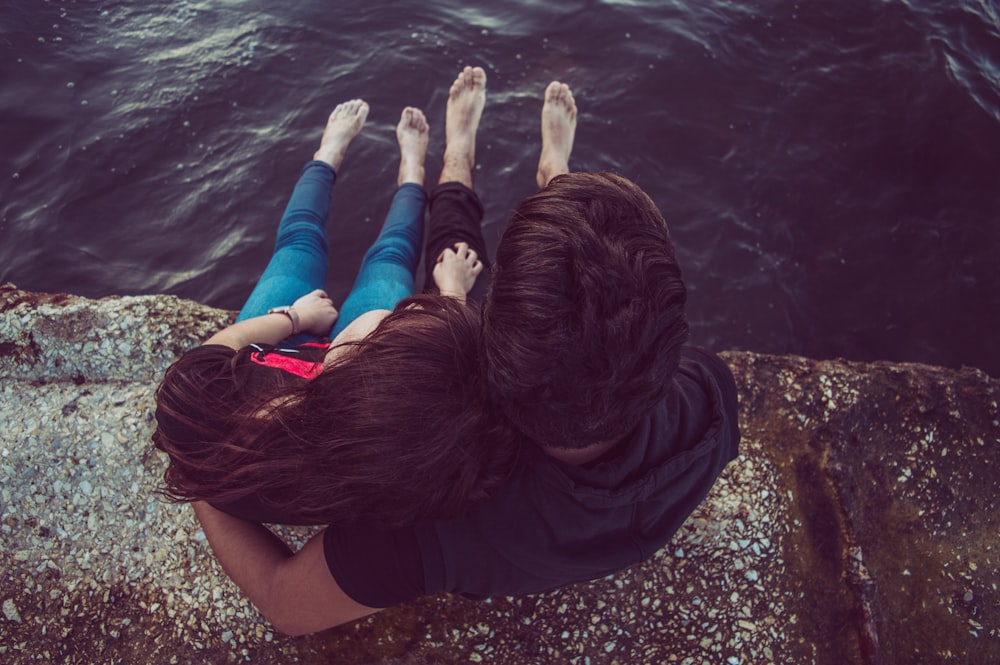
(294, 591)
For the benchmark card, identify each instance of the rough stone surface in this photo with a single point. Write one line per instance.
(857, 525)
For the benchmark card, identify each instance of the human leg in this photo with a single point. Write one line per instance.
(456, 213)
(466, 99)
(389, 266)
(558, 130)
(299, 261)
(298, 264)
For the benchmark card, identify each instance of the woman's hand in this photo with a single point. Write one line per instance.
(456, 271)
(316, 312)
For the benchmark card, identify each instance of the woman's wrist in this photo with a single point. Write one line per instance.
(292, 315)
(457, 294)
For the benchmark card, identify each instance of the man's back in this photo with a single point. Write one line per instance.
(554, 523)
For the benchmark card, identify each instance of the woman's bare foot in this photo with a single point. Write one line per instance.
(344, 123)
(466, 100)
(558, 129)
(456, 271)
(412, 133)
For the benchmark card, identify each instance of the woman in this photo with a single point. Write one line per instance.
(269, 422)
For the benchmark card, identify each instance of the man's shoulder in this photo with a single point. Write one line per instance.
(719, 398)
(709, 360)
(711, 372)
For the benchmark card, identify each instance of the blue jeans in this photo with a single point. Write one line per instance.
(300, 259)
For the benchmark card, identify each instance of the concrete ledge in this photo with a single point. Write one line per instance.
(857, 526)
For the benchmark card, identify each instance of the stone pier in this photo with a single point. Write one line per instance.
(857, 526)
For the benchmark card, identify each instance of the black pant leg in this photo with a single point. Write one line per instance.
(456, 215)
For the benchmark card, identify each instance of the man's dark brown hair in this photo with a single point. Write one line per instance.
(584, 321)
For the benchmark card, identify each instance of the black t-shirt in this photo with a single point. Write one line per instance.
(553, 523)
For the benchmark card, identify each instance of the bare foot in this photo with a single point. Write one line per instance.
(558, 129)
(466, 100)
(456, 271)
(343, 125)
(412, 133)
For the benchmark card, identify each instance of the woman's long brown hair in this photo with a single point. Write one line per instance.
(398, 430)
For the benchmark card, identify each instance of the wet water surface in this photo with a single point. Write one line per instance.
(830, 170)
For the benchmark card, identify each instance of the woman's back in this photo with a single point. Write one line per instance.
(396, 430)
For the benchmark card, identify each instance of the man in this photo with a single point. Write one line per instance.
(623, 429)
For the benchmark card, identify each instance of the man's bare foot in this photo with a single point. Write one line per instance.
(466, 100)
(344, 123)
(456, 271)
(412, 133)
(558, 129)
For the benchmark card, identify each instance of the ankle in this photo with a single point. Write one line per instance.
(333, 158)
(547, 172)
(457, 169)
(414, 174)
(459, 158)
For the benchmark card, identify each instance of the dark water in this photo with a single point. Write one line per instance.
(831, 170)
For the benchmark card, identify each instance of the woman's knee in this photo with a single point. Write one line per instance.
(303, 238)
(398, 253)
